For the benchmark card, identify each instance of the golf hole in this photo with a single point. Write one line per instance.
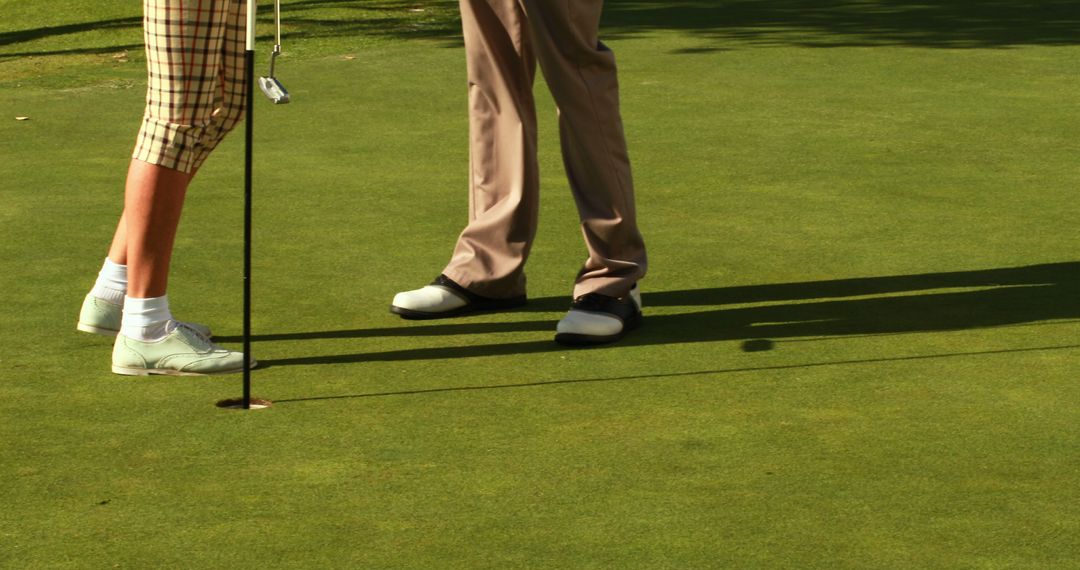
(238, 404)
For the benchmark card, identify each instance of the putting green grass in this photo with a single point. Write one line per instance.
(862, 328)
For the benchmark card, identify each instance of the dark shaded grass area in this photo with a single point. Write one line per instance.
(943, 24)
(28, 35)
(303, 20)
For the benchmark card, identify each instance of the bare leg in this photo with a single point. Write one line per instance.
(118, 249)
(153, 200)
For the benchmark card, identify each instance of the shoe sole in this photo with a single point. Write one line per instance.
(478, 307)
(585, 340)
(127, 371)
(96, 330)
(107, 332)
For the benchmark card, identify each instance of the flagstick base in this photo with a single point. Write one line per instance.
(238, 404)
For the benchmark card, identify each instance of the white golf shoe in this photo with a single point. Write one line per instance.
(599, 319)
(445, 298)
(99, 316)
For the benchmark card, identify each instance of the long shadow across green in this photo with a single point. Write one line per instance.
(819, 309)
(668, 375)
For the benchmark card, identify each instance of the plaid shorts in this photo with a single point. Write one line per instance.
(196, 90)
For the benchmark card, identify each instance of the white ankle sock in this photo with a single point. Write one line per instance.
(147, 319)
(111, 284)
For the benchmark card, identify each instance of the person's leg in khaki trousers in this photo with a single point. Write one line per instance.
(581, 73)
(504, 178)
(504, 39)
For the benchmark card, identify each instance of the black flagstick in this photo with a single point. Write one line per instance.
(249, 79)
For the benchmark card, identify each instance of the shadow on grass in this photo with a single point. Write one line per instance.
(680, 374)
(31, 34)
(719, 23)
(838, 23)
(395, 19)
(776, 313)
(302, 19)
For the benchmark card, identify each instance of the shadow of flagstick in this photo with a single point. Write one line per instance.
(414, 330)
(674, 375)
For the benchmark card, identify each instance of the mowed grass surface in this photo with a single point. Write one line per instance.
(861, 339)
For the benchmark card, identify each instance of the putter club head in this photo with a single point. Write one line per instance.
(273, 89)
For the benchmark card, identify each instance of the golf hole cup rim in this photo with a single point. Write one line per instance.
(238, 404)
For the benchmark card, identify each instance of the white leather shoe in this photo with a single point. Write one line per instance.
(599, 319)
(428, 299)
(445, 298)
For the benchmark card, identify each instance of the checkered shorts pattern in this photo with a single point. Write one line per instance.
(196, 90)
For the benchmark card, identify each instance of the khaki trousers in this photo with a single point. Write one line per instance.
(504, 40)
